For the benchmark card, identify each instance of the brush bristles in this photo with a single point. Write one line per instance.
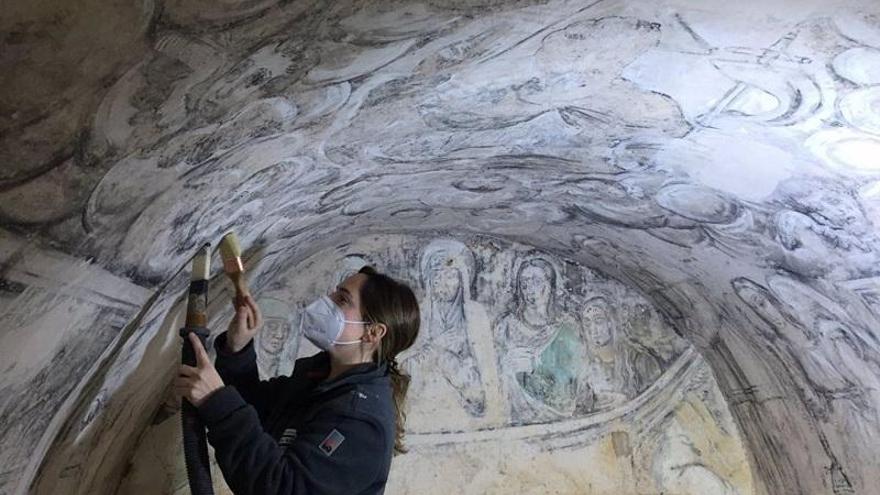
(201, 266)
(230, 251)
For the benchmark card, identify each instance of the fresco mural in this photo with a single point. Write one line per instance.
(550, 386)
(614, 211)
(275, 346)
(451, 317)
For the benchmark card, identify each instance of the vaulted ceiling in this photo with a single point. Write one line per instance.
(721, 159)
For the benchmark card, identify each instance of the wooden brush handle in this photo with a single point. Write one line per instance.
(240, 284)
(241, 292)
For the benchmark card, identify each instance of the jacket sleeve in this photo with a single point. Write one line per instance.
(336, 452)
(239, 369)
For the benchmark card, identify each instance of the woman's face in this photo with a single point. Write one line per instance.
(347, 297)
(445, 282)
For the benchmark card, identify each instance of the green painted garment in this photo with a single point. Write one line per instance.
(554, 380)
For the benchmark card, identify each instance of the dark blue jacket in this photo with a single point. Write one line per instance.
(297, 434)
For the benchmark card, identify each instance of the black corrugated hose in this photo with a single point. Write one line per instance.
(195, 440)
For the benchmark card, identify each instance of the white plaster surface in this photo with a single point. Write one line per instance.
(716, 162)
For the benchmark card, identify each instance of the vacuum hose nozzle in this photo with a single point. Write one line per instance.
(197, 300)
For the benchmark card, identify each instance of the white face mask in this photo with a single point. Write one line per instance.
(323, 322)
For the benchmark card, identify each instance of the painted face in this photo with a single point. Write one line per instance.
(640, 320)
(274, 334)
(445, 282)
(276, 317)
(596, 319)
(535, 285)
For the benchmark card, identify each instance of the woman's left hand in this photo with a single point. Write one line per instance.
(199, 382)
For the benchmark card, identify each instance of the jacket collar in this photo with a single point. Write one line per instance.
(318, 366)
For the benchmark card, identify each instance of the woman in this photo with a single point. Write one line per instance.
(334, 424)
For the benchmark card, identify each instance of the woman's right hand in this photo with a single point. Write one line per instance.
(245, 324)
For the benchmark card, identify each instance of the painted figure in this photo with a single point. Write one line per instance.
(541, 354)
(275, 340)
(606, 368)
(446, 351)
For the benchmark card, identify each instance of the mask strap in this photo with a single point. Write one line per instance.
(351, 342)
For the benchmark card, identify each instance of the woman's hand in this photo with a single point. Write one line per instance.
(196, 384)
(245, 324)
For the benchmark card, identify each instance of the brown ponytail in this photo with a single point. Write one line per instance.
(385, 300)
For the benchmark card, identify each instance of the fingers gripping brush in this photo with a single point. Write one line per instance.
(195, 445)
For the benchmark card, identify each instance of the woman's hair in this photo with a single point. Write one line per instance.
(385, 300)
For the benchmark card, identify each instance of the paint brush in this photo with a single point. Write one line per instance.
(197, 300)
(230, 251)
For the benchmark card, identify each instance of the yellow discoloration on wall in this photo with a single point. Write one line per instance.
(715, 445)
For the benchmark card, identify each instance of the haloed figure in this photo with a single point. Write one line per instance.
(335, 423)
(447, 270)
(542, 358)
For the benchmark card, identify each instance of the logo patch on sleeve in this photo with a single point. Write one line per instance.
(331, 442)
